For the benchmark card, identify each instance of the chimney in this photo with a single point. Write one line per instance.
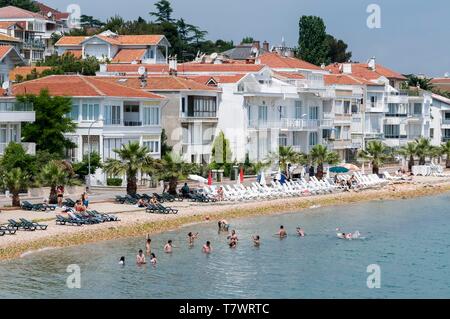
(103, 68)
(173, 65)
(372, 64)
(256, 45)
(266, 46)
(347, 68)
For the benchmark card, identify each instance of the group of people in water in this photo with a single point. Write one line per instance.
(232, 238)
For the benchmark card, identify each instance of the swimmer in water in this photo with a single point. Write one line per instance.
(256, 240)
(140, 258)
(148, 246)
(232, 243)
(191, 238)
(300, 232)
(122, 261)
(168, 247)
(153, 259)
(233, 236)
(207, 249)
(282, 232)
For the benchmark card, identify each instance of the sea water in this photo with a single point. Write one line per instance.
(405, 251)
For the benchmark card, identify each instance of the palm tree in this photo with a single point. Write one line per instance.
(285, 155)
(133, 158)
(409, 151)
(445, 150)
(423, 149)
(53, 175)
(376, 152)
(172, 170)
(320, 155)
(15, 180)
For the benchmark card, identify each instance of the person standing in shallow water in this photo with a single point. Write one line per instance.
(148, 245)
(140, 258)
(168, 247)
(282, 232)
(191, 238)
(207, 249)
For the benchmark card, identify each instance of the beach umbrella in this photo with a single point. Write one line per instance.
(262, 179)
(198, 179)
(339, 169)
(210, 178)
(241, 175)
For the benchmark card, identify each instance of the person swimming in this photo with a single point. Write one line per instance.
(168, 247)
(233, 236)
(348, 236)
(232, 243)
(281, 232)
(191, 238)
(223, 225)
(207, 249)
(140, 258)
(153, 259)
(256, 240)
(300, 232)
(122, 261)
(148, 245)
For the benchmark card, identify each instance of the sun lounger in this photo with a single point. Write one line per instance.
(30, 224)
(7, 229)
(69, 203)
(61, 220)
(21, 225)
(36, 207)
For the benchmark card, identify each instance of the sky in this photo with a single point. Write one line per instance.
(413, 35)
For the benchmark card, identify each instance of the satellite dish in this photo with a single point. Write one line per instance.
(49, 14)
(141, 70)
(214, 55)
(5, 86)
(446, 74)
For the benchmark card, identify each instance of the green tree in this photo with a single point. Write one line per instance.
(29, 5)
(313, 45)
(337, 50)
(15, 180)
(165, 148)
(409, 151)
(90, 22)
(320, 155)
(377, 153)
(48, 130)
(221, 150)
(445, 150)
(283, 157)
(423, 83)
(133, 159)
(54, 174)
(423, 149)
(163, 11)
(114, 24)
(15, 156)
(248, 40)
(172, 169)
(82, 168)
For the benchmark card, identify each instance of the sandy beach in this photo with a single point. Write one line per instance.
(136, 222)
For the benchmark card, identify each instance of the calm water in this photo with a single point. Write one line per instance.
(409, 239)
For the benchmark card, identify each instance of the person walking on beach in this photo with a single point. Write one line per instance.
(207, 249)
(148, 245)
(191, 238)
(60, 195)
(281, 232)
(168, 247)
(140, 258)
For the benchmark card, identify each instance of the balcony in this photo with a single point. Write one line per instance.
(33, 44)
(16, 112)
(132, 123)
(343, 118)
(340, 144)
(445, 122)
(15, 107)
(287, 124)
(199, 117)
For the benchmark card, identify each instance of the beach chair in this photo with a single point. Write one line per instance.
(30, 224)
(120, 199)
(19, 225)
(111, 218)
(7, 229)
(151, 209)
(61, 220)
(169, 210)
(69, 203)
(36, 207)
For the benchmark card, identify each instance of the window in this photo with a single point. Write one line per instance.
(312, 138)
(151, 115)
(298, 110)
(431, 132)
(296, 138)
(183, 105)
(417, 108)
(313, 112)
(14, 133)
(109, 145)
(354, 108)
(337, 132)
(392, 131)
(90, 112)
(153, 146)
(112, 114)
(262, 113)
(282, 111)
(91, 143)
(3, 133)
(346, 107)
(447, 116)
(132, 108)
(282, 139)
(373, 101)
(74, 113)
(326, 134)
(202, 106)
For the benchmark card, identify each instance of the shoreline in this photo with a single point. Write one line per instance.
(141, 223)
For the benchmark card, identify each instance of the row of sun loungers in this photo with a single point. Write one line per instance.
(160, 209)
(90, 217)
(296, 188)
(133, 200)
(23, 224)
(25, 205)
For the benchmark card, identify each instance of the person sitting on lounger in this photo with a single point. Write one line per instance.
(281, 232)
(191, 238)
(153, 259)
(141, 203)
(140, 258)
(256, 240)
(220, 196)
(79, 207)
(168, 247)
(207, 249)
(300, 232)
(185, 190)
(153, 200)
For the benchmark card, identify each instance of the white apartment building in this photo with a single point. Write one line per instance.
(440, 120)
(107, 115)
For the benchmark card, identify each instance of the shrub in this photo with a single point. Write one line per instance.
(114, 182)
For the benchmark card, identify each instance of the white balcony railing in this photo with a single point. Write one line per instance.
(295, 124)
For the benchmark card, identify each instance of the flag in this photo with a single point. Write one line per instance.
(241, 175)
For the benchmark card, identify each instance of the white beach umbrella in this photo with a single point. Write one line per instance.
(198, 179)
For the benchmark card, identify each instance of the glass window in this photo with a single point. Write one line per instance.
(3, 133)
(109, 145)
(262, 113)
(14, 133)
(112, 114)
(90, 112)
(313, 138)
(296, 138)
(417, 108)
(392, 131)
(283, 139)
(151, 115)
(298, 110)
(153, 146)
(313, 112)
(74, 112)
(337, 132)
(431, 132)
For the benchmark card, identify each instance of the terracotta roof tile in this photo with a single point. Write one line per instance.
(11, 12)
(220, 79)
(76, 53)
(70, 41)
(129, 55)
(363, 71)
(289, 75)
(276, 61)
(7, 38)
(122, 40)
(25, 70)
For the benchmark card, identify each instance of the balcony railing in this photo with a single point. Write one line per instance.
(299, 124)
(16, 107)
(445, 122)
(132, 123)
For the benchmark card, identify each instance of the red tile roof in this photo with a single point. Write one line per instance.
(11, 12)
(76, 53)
(71, 40)
(6, 25)
(440, 81)
(129, 55)
(25, 70)
(80, 86)
(124, 40)
(218, 68)
(344, 79)
(289, 75)
(362, 70)
(276, 61)
(220, 79)
(162, 83)
(57, 15)
(7, 38)
(133, 68)
(4, 50)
